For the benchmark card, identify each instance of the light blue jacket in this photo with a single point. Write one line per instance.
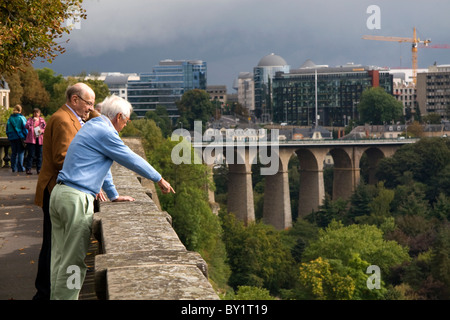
(90, 156)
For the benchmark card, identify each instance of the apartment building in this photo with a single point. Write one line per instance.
(433, 90)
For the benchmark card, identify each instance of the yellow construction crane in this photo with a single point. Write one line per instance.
(415, 42)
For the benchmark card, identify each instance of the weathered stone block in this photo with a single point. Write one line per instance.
(167, 282)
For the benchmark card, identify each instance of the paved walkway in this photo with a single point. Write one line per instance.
(21, 239)
(20, 235)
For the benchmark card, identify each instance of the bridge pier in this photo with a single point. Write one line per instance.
(346, 172)
(277, 201)
(277, 209)
(345, 181)
(240, 192)
(312, 189)
(240, 188)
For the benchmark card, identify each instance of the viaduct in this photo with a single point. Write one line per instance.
(346, 155)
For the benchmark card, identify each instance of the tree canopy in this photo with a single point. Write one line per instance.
(30, 29)
(379, 107)
(27, 90)
(195, 105)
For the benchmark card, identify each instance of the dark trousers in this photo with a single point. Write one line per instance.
(17, 155)
(42, 282)
(34, 153)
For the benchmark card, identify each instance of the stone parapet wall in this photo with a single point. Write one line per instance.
(141, 256)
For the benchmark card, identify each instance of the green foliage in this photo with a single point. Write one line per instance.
(162, 120)
(328, 211)
(195, 105)
(379, 207)
(379, 107)
(257, 255)
(426, 162)
(56, 85)
(440, 259)
(342, 242)
(325, 279)
(360, 201)
(49, 79)
(335, 264)
(4, 116)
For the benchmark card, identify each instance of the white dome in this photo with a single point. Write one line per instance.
(272, 60)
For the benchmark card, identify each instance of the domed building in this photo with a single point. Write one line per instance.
(263, 74)
(272, 60)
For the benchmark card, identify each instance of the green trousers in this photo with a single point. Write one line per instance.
(71, 213)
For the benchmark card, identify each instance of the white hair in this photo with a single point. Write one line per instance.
(113, 105)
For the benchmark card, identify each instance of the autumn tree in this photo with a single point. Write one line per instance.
(31, 29)
(27, 90)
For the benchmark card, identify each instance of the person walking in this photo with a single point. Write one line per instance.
(16, 132)
(36, 126)
(88, 162)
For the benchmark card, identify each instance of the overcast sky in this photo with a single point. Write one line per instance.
(233, 35)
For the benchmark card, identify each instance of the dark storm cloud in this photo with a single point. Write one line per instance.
(233, 35)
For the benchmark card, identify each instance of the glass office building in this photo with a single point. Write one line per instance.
(166, 85)
(339, 91)
(263, 75)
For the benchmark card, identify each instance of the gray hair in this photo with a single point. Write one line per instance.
(113, 105)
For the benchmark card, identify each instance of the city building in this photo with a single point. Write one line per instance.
(118, 83)
(245, 87)
(165, 85)
(263, 75)
(433, 90)
(406, 94)
(217, 93)
(405, 90)
(339, 91)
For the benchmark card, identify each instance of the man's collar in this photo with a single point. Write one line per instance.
(76, 115)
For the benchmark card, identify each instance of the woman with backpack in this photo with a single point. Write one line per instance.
(16, 132)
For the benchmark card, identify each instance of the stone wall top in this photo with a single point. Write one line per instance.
(141, 256)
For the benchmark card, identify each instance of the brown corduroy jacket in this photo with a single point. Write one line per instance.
(59, 132)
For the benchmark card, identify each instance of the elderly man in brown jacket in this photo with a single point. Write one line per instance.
(61, 129)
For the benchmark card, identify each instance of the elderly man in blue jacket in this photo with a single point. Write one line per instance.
(86, 168)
